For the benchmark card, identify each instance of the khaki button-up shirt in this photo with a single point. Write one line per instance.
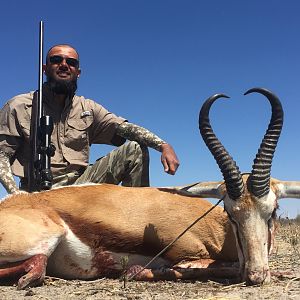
(81, 123)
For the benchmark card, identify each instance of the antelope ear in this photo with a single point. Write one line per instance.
(286, 189)
(208, 189)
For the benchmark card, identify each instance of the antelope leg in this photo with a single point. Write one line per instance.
(33, 268)
(193, 270)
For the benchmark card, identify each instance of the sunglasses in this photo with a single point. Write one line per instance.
(57, 59)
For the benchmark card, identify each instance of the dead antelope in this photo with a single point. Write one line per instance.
(84, 231)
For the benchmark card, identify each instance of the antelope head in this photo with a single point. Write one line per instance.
(250, 200)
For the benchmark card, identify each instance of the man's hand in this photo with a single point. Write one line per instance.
(169, 159)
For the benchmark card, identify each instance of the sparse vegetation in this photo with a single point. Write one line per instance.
(285, 284)
(124, 264)
(297, 219)
(290, 233)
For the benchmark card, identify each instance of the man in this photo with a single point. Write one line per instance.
(78, 123)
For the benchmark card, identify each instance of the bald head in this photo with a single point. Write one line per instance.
(66, 46)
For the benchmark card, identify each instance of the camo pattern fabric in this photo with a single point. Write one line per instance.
(6, 176)
(127, 164)
(139, 134)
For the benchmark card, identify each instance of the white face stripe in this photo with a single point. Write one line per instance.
(265, 205)
(250, 220)
(268, 203)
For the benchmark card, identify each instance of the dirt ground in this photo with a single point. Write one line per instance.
(284, 260)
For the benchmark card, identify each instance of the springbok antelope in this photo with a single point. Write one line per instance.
(83, 231)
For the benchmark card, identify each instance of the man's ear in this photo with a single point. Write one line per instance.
(78, 72)
(44, 68)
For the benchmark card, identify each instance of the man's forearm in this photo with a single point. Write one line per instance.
(145, 137)
(6, 176)
(139, 134)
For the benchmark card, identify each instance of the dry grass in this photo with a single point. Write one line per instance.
(285, 285)
(288, 239)
(291, 234)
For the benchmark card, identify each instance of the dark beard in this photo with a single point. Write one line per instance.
(62, 87)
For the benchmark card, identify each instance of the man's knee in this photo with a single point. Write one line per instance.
(137, 167)
(137, 151)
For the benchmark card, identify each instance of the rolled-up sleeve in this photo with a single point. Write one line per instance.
(103, 129)
(15, 131)
(9, 130)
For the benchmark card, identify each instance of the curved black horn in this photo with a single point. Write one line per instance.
(261, 169)
(228, 167)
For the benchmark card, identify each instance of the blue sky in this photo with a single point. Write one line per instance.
(155, 62)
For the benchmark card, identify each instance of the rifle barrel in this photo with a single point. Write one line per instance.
(40, 84)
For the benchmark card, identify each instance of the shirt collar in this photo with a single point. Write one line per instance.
(48, 97)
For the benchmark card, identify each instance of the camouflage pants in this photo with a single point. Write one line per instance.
(127, 164)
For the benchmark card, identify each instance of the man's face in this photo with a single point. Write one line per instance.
(62, 67)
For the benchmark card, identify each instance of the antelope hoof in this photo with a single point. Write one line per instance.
(137, 272)
(36, 269)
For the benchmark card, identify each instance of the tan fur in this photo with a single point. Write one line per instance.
(85, 230)
(127, 218)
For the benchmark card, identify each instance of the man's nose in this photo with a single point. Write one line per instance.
(64, 63)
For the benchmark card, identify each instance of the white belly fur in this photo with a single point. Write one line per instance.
(72, 258)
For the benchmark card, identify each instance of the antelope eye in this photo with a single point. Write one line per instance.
(272, 218)
(270, 222)
(274, 214)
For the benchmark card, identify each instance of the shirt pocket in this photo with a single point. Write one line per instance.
(25, 128)
(77, 137)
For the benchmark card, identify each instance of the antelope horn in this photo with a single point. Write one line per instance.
(231, 173)
(261, 169)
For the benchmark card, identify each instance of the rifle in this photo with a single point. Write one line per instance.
(41, 127)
